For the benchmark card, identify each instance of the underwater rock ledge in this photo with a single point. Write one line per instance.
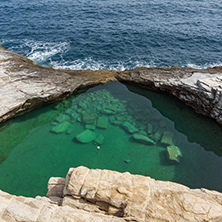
(25, 85)
(105, 195)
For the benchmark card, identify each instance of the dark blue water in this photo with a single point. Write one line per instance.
(105, 34)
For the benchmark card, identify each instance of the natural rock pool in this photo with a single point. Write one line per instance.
(113, 126)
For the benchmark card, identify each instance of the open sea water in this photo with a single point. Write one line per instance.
(119, 35)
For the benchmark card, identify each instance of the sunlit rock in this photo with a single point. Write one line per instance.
(86, 136)
(174, 153)
(167, 138)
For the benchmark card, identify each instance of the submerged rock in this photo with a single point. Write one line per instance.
(90, 126)
(60, 128)
(102, 122)
(167, 138)
(62, 118)
(143, 139)
(129, 127)
(86, 136)
(174, 153)
(99, 139)
(127, 161)
(149, 128)
(158, 134)
(89, 118)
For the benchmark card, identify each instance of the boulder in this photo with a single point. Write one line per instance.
(102, 122)
(62, 118)
(158, 134)
(90, 126)
(129, 127)
(60, 128)
(99, 139)
(143, 139)
(167, 138)
(86, 136)
(89, 118)
(174, 154)
(149, 128)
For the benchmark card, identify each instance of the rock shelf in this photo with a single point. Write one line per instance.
(25, 85)
(105, 195)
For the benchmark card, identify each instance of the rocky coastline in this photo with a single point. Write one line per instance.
(103, 195)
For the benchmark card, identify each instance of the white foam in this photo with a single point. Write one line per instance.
(89, 63)
(205, 66)
(40, 52)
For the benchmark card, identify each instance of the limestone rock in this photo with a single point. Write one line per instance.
(167, 138)
(129, 127)
(149, 128)
(102, 122)
(143, 139)
(90, 126)
(139, 198)
(158, 134)
(89, 118)
(99, 139)
(62, 118)
(86, 136)
(174, 153)
(60, 128)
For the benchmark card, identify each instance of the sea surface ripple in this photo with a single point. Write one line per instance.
(119, 35)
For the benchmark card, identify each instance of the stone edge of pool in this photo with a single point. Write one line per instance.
(104, 195)
(25, 85)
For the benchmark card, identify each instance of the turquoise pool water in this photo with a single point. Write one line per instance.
(135, 129)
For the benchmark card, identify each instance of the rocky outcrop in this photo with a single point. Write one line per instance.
(105, 195)
(25, 85)
(200, 89)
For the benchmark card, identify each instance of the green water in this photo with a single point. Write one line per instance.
(31, 153)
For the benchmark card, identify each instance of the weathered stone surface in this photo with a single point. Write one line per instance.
(139, 198)
(167, 138)
(143, 139)
(198, 88)
(86, 136)
(174, 153)
(105, 195)
(25, 85)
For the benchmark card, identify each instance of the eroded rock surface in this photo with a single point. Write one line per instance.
(105, 195)
(199, 88)
(25, 85)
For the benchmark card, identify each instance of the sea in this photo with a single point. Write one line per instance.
(118, 35)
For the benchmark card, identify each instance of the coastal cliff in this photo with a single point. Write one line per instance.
(25, 85)
(103, 195)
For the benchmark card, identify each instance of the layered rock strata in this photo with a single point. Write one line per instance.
(105, 195)
(200, 89)
(25, 85)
